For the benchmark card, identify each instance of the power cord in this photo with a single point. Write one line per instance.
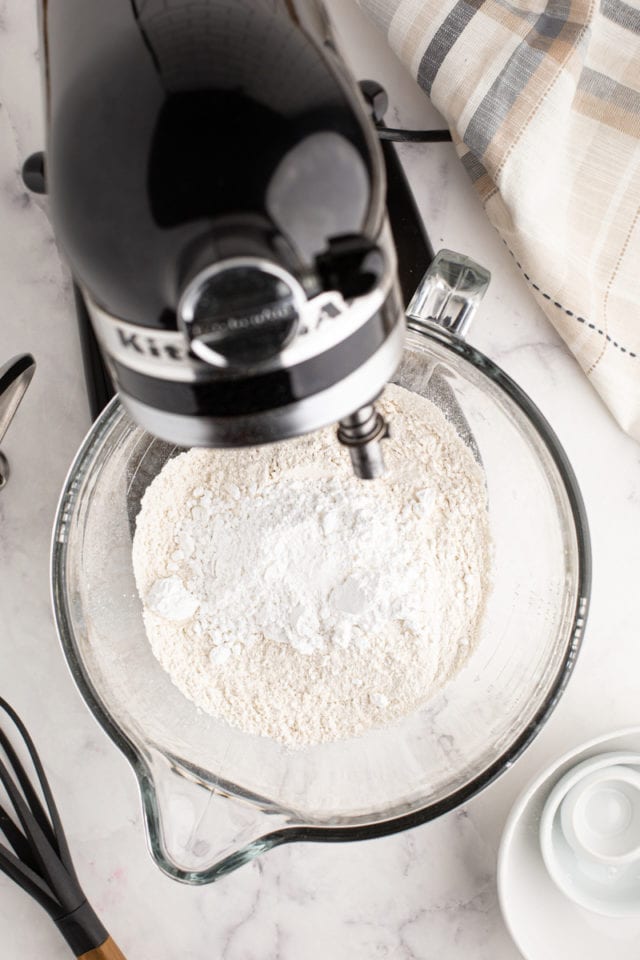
(413, 136)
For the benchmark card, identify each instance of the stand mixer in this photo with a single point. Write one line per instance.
(218, 187)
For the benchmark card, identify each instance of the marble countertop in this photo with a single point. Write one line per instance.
(425, 894)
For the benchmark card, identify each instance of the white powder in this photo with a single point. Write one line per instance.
(292, 600)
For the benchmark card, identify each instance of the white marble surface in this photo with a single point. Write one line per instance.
(427, 894)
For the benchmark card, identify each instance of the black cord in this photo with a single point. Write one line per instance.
(413, 136)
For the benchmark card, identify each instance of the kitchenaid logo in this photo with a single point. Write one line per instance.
(170, 346)
(275, 313)
(146, 345)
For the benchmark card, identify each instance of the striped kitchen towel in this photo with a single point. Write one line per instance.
(543, 101)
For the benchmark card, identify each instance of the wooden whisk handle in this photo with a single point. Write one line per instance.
(108, 951)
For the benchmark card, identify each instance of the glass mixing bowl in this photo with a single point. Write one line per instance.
(215, 797)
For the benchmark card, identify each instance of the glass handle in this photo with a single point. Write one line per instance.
(449, 293)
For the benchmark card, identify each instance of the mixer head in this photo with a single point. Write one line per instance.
(218, 188)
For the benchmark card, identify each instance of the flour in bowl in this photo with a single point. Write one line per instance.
(292, 600)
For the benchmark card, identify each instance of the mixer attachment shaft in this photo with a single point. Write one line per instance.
(362, 433)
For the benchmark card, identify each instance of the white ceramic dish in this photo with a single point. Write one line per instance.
(544, 924)
(600, 816)
(589, 841)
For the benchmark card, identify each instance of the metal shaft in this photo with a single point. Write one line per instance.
(362, 433)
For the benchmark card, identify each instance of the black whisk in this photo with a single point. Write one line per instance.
(36, 854)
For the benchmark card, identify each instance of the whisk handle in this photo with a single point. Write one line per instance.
(108, 951)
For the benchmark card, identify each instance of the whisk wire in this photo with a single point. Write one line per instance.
(37, 857)
(29, 880)
(50, 867)
(28, 790)
(59, 840)
(16, 839)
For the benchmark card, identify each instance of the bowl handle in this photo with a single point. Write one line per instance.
(449, 293)
(198, 830)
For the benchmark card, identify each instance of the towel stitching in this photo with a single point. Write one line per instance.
(611, 279)
(570, 313)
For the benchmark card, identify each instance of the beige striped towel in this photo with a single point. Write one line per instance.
(543, 101)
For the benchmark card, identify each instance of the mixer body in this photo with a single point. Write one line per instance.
(217, 186)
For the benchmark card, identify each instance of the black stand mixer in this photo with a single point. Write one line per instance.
(218, 186)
